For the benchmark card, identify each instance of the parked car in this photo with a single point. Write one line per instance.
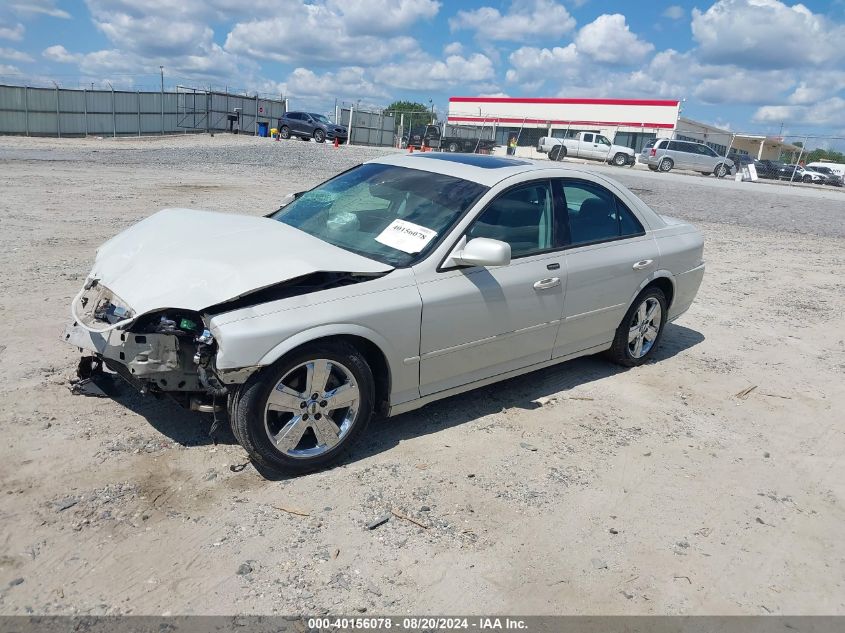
(586, 145)
(769, 168)
(665, 155)
(836, 168)
(831, 177)
(452, 138)
(798, 173)
(308, 125)
(399, 282)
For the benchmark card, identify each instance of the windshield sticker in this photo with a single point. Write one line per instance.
(406, 236)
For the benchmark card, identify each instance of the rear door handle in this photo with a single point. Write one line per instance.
(544, 284)
(643, 263)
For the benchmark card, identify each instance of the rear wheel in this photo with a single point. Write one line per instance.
(620, 160)
(284, 132)
(319, 135)
(305, 411)
(558, 152)
(666, 164)
(639, 333)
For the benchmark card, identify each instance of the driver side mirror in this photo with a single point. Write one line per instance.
(289, 198)
(481, 251)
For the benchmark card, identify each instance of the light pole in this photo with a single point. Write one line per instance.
(431, 106)
(161, 70)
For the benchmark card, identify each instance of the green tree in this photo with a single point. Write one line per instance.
(421, 113)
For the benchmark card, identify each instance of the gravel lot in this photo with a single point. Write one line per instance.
(579, 489)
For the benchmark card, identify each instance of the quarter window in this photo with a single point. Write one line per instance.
(522, 217)
(596, 215)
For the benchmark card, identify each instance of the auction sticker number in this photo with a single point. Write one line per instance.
(406, 236)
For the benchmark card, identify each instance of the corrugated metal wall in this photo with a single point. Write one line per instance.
(369, 128)
(66, 112)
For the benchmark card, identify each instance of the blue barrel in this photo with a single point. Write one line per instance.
(263, 129)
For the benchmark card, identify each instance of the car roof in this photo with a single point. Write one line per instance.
(484, 169)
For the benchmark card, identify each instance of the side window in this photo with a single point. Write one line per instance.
(595, 214)
(588, 138)
(602, 140)
(673, 145)
(293, 115)
(522, 217)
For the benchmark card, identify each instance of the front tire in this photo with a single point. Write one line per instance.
(306, 410)
(808, 180)
(720, 171)
(319, 136)
(620, 160)
(638, 336)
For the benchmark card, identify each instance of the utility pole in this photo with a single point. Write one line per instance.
(161, 69)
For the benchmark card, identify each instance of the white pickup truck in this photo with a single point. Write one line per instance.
(586, 145)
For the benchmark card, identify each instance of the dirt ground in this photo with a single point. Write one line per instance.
(580, 489)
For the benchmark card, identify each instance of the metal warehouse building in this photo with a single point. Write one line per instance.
(629, 122)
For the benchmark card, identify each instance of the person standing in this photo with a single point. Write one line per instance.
(512, 146)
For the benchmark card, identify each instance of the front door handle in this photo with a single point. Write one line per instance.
(644, 263)
(544, 284)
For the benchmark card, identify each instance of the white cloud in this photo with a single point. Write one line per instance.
(765, 34)
(530, 64)
(608, 39)
(59, 53)
(14, 55)
(347, 83)
(373, 17)
(674, 12)
(14, 33)
(319, 36)
(6, 69)
(453, 48)
(437, 74)
(43, 7)
(828, 112)
(742, 86)
(525, 20)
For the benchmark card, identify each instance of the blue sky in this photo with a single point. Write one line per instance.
(750, 65)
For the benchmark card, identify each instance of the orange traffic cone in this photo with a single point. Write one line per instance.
(410, 148)
(336, 142)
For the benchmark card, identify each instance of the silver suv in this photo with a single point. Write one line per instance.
(665, 154)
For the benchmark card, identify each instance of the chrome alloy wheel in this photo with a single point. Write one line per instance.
(312, 408)
(645, 327)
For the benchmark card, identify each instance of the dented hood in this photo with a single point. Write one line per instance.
(181, 258)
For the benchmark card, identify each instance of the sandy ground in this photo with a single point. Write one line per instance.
(651, 491)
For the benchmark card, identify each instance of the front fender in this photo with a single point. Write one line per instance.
(324, 331)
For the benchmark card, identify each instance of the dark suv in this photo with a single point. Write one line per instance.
(307, 125)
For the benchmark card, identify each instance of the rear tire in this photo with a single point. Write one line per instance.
(284, 132)
(453, 147)
(666, 165)
(652, 167)
(558, 152)
(643, 323)
(299, 443)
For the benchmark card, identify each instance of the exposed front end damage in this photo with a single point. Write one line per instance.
(164, 352)
(173, 351)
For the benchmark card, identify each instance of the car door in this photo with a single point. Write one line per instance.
(478, 322)
(308, 124)
(294, 122)
(608, 257)
(587, 147)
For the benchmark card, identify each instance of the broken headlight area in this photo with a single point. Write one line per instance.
(99, 308)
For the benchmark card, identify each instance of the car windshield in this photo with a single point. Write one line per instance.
(394, 215)
(322, 118)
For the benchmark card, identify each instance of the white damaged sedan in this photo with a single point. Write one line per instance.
(399, 282)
